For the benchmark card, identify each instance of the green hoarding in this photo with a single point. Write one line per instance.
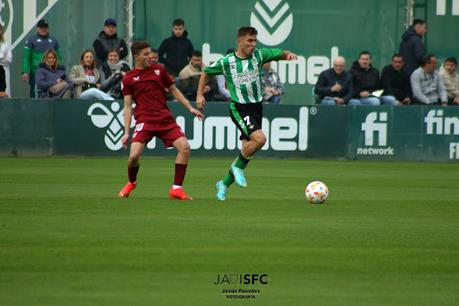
(95, 128)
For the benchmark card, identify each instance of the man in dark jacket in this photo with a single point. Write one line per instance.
(175, 52)
(108, 39)
(395, 82)
(412, 47)
(365, 80)
(334, 86)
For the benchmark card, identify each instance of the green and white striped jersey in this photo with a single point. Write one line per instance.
(244, 76)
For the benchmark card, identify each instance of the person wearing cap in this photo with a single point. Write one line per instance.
(34, 49)
(108, 39)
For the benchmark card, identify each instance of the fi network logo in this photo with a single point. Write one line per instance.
(273, 20)
(375, 134)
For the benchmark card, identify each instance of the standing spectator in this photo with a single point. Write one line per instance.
(108, 39)
(189, 78)
(87, 79)
(6, 57)
(334, 86)
(273, 85)
(113, 70)
(450, 79)
(365, 80)
(412, 47)
(175, 52)
(34, 49)
(427, 85)
(51, 79)
(395, 82)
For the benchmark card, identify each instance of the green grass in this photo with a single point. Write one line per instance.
(388, 235)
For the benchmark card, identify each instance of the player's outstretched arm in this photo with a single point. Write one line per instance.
(127, 119)
(289, 56)
(200, 100)
(184, 101)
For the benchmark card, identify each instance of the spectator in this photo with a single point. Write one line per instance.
(450, 79)
(365, 80)
(87, 79)
(108, 39)
(6, 57)
(51, 79)
(273, 85)
(412, 48)
(427, 85)
(190, 75)
(334, 86)
(395, 82)
(34, 49)
(175, 52)
(154, 56)
(113, 71)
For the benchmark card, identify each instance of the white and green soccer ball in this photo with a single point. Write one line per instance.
(316, 192)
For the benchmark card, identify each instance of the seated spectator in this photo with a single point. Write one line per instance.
(50, 78)
(450, 80)
(427, 85)
(113, 71)
(189, 79)
(154, 56)
(365, 80)
(395, 82)
(87, 79)
(334, 86)
(274, 88)
(108, 39)
(6, 58)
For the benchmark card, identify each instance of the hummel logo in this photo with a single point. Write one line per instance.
(272, 20)
(136, 78)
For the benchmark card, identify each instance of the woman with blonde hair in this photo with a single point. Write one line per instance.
(50, 78)
(6, 57)
(87, 79)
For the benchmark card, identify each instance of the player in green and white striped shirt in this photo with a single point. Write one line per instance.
(243, 73)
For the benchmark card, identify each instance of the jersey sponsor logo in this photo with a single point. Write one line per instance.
(136, 78)
(111, 118)
(247, 77)
(273, 20)
(157, 72)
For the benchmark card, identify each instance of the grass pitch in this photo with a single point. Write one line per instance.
(388, 234)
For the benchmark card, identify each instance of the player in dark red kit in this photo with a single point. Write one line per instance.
(147, 84)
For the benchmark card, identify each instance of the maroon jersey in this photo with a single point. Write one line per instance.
(148, 88)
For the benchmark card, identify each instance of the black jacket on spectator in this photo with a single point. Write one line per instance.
(395, 83)
(364, 80)
(329, 78)
(412, 49)
(175, 53)
(104, 43)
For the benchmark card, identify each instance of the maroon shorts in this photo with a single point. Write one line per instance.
(145, 132)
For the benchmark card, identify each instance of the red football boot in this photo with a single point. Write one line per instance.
(127, 189)
(179, 194)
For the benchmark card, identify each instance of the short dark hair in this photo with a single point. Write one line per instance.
(243, 31)
(196, 53)
(418, 21)
(427, 59)
(138, 46)
(154, 51)
(113, 50)
(178, 22)
(364, 53)
(452, 60)
(396, 55)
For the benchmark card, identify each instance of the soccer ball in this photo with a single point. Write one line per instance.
(316, 192)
